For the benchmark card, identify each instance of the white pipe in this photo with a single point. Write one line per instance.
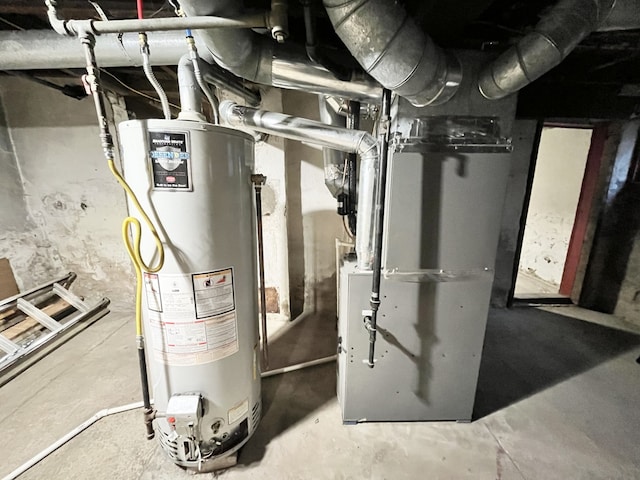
(73, 433)
(299, 366)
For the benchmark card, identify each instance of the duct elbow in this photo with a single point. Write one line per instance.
(367, 148)
(231, 114)
(392, 48)
(557, 34)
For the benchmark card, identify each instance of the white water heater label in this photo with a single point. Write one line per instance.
(181, 334)
(170, 160)
(152, 289)
(214, 292)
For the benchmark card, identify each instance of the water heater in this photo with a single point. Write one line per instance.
(200, 311)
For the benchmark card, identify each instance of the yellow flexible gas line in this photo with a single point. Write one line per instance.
(133, 247)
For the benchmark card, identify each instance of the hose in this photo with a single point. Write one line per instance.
(91, 79)
(133, 247)
(146, 66)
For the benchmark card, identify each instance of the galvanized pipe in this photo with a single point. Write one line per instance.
(317, 133)
(394, 50)
(557, 34)
(258, 59)
(625, 15)
(334, 172)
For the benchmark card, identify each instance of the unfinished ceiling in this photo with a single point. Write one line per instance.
(601, 78)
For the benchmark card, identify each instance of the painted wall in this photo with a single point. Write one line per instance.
(556, 188)
(71, 208)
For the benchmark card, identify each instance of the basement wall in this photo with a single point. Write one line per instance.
(313, 223)
(63, 210)
(22, 241)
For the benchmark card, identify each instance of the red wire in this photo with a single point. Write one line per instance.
(139, 4)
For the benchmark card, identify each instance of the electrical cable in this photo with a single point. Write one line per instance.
(11, 24)
(98, 8)
(131, 89)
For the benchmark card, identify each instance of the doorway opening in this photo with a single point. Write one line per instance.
(556, 194)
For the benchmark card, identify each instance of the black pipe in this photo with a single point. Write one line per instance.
(383, 138)
(258, 182)
(353, 122)
(313, 50)
(148, 411)
(92, 81)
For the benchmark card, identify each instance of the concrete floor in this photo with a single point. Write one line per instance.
(557, 399)
(532, 285)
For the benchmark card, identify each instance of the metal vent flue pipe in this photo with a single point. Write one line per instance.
(259, 59)
(394, 50)
(317, 133)
(557, 34)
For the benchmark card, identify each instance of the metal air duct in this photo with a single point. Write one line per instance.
(258, 59)
(557, 34)
(334, 172)
(393, 49)
(317, 133)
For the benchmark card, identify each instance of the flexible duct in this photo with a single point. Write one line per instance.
(317, 133)
(334, 171)
(557, 34)
(258, 59)
(392, 48)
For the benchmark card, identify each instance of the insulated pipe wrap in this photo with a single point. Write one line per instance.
(393, 49)
(555, 36)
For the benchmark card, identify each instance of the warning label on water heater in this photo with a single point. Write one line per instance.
(192, 316)
(170, 160)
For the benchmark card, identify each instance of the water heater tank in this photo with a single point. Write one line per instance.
(200, 311)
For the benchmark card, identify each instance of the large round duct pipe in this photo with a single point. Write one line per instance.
(393, 49)
(259, 59)
(557, 34)
(334, 172)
